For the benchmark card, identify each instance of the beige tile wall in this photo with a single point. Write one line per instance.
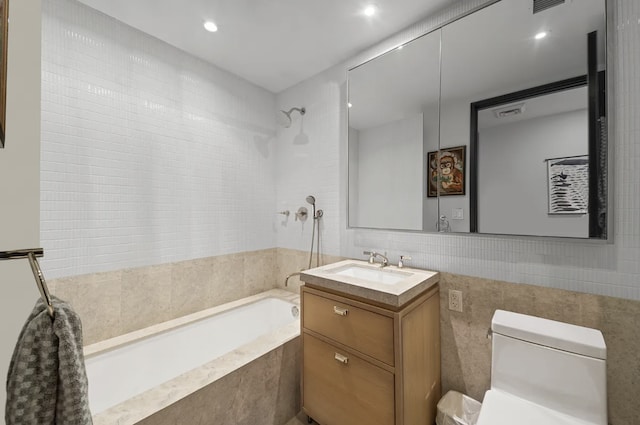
(114, 303)
(117, 302)
(466, 351)
(264, 392)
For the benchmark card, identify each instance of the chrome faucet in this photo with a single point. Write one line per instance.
(372, 258)
(286, 279)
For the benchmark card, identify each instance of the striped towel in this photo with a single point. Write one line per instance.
(47, 381)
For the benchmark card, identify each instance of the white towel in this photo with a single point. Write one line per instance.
(47, 380)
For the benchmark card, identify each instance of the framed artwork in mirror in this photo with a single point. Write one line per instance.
(451, 170)
(446, 171)
(4, 31)
(568, 185)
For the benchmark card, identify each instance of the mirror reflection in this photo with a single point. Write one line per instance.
(518, 143)
(510, 47)
(393, 122)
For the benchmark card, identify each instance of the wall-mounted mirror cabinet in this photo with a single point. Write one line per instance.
(495, 123)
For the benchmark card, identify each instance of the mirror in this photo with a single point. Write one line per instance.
(4, 31)
(393, 123)
(492, 61)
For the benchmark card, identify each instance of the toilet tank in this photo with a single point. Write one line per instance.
(553, 364)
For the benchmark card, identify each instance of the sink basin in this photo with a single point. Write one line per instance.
(390, 286)
(377, 275)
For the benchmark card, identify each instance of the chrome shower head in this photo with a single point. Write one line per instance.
(285, 119)
(311, 199)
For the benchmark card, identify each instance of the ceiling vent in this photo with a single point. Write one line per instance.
(540, 5)
(509, 111)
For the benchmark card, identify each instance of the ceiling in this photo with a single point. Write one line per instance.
(274, 44)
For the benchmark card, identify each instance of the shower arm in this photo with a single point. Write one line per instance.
(302, 111)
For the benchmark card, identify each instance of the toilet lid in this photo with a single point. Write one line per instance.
(500, 408)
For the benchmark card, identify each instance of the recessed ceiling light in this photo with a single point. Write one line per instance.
(400, 47)
(541, 35)
(370, 10)
(210, 26)
(349, 105)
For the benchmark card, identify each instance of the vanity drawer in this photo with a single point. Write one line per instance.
(365, 331)
(341, 388)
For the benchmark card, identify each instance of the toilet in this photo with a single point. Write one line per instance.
(545, 372)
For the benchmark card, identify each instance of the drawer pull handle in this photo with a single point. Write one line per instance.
(340, 311)
(342, 359)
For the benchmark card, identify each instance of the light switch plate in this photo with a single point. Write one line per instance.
(457, 214)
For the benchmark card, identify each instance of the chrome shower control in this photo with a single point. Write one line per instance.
(302, 214)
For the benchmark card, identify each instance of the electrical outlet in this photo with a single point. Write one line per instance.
(455, 300)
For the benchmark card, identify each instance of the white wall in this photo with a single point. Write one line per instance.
(430, 139)
(149, 155)
(454, 132)
(315, 167)
(503, 206)
(389, 175)
(606, 269)
(19, 176)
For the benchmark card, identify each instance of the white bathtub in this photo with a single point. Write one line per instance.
(138, 374)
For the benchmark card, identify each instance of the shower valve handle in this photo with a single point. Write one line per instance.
(301, 214)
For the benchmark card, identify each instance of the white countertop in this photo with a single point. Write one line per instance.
(409, 283)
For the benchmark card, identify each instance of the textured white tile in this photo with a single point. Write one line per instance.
(149, 155)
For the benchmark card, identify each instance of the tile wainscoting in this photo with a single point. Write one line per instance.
(466, 350)
(117, 302)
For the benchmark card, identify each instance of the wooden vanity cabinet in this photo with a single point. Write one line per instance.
(370, 364)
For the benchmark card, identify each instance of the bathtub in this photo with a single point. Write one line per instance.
(141, 376)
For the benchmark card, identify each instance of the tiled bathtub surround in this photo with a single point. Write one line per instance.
(149, 155)
(466, 350)
(264, 375)
(114, 303)
(264, 392)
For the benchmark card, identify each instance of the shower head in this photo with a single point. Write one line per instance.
(284, 119)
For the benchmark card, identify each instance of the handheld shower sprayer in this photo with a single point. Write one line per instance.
(316, 228)
(312, 200)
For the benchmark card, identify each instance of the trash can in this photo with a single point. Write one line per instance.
(457, 409)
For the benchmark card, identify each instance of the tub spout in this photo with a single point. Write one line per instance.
(286, 279)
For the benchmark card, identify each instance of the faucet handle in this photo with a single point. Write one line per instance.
(371, 254)
(403, 258)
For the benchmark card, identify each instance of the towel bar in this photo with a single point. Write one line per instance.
(31, 255)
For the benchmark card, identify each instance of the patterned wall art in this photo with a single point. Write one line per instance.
(568, 183)
(451, 171)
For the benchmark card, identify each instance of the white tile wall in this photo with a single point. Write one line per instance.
(311, 168)
(149, 155)
(604, 269)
